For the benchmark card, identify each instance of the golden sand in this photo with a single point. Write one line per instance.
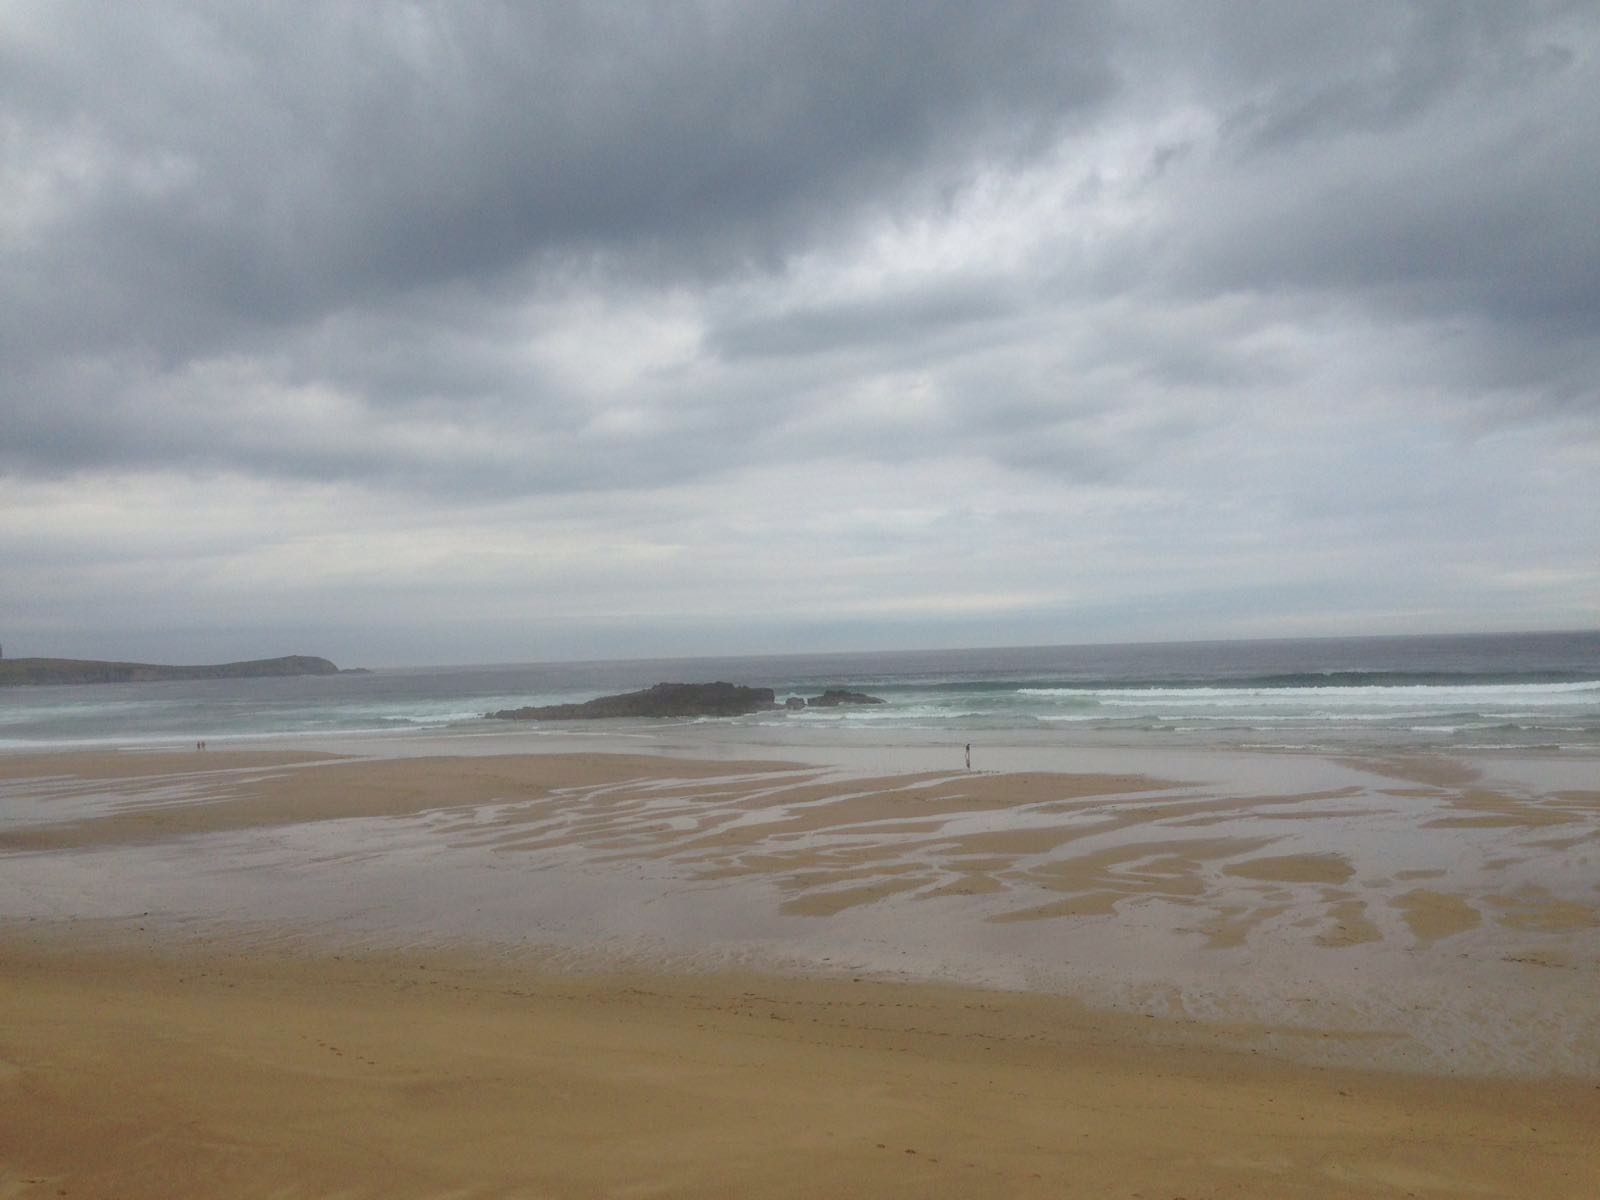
(143, 1059)
(162, 1076)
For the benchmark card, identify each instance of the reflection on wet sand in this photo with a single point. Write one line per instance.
(1418, 899)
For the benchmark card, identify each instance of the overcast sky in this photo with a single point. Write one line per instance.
(478, 332)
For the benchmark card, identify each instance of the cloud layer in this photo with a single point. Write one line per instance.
(597, 328)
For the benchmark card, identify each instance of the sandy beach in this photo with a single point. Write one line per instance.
(275, 974)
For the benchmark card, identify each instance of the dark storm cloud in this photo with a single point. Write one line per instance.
(220, 170)
(317, 244)
(1428, 161)
(354, 198)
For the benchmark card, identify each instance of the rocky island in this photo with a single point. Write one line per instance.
(679, 700)
(16, 672)
(663, 700)
(834, 697)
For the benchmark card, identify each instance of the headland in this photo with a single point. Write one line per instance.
(44, 671)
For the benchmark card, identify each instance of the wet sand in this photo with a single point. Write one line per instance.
(280, 974)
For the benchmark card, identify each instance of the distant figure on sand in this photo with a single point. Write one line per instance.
(969, 756)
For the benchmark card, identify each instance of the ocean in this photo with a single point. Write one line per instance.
(1487, 692)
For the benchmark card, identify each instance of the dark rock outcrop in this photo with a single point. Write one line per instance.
(663, 700)
(20, 671)
(834, 697)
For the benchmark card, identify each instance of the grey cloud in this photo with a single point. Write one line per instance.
(895, 319)
(254, 166)
(1287, 75)
(362, 200)
(263, 183)
(1434, 163)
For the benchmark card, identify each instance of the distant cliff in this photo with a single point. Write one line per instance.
(16, 672)
(663, 700)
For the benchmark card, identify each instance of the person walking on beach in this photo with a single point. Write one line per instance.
(969, 756)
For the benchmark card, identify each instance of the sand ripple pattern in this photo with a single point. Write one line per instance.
(1411, 900)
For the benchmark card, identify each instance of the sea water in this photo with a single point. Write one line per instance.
(1538, 691)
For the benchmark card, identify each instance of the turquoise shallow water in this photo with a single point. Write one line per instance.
(1492, 692)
